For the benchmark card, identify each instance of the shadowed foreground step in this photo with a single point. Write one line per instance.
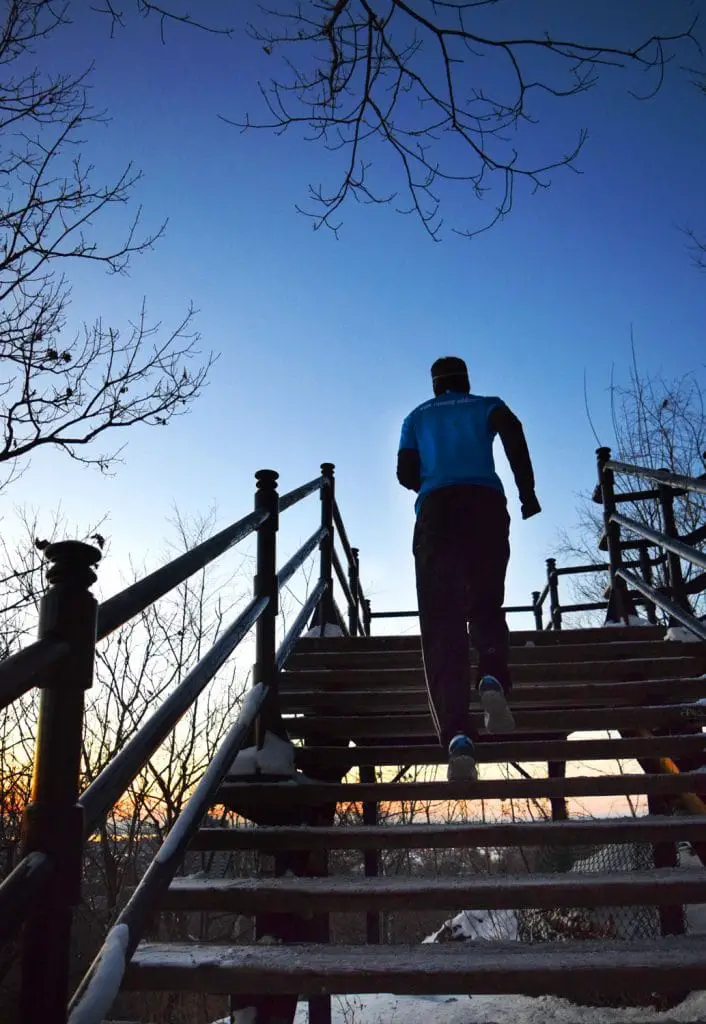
(524, 698)
(387, 725)
(518, 638)
(531, 654)
(677, 666)
(491, 892)
(446, 836)
(490, 750)
(549, 968)
(287, 794)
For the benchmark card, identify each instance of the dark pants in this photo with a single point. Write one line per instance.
(461, 551)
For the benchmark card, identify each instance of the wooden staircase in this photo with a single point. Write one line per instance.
(371, 691)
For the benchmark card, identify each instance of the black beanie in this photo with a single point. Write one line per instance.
(450, 373)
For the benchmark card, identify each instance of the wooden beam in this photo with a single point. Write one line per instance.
(489, 751)
(369, 699)
(278, 795)
(674, 667)
(542, 654)
(565, 720)
(656, 887)
(443, 836)
(554, 968)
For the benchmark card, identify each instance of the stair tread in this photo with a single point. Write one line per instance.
(422, 836)
(415, 724)
(636, 669)
(654, 887)
(488, 967)
(485, 789)
(568, 695)
(519, 655)
(598, 636)
(489, 750)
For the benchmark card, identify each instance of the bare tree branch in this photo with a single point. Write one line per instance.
(55, 390)
(424, 83)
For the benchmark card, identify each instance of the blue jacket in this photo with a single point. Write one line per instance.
(453, 437)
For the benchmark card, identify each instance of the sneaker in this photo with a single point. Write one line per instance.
(462, 761)
(498, 717)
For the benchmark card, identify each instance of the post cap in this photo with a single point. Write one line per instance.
(267, 479)
(72, 562)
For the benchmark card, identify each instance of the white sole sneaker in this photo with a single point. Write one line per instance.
(498, 716)
(462, 768)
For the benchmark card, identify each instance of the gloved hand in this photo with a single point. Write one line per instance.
(530, 506)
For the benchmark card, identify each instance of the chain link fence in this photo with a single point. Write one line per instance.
(631, 923)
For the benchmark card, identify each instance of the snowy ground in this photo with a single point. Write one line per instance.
(389, 1009)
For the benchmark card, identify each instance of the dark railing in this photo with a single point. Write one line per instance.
(673, 597)
(43, 889)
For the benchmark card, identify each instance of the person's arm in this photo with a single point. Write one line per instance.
(508, 426)
(408, 464)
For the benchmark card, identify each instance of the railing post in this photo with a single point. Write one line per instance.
(53, 820)
(646, 570)
(367, 617)
(553, 581)
(537, 608)
(677, 587)
(619, 601)
(354, 584)
(327, 611)
(265, 585)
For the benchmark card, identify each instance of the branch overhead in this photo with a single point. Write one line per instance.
(426, 89)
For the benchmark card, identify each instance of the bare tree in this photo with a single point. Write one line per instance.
(431, 87)
(660, 423)
(60, 388)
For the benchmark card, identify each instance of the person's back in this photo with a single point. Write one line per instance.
(454, 439)
(461, 548)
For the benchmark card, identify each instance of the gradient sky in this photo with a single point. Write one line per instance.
(325, 344)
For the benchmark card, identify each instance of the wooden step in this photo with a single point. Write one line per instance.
(566, 720)
(557, 968)
(586, 832)
(518, 638)
(374, 660)
(678, 667)
(490, 751)
(277, 795)
(568, 695)
(657, 887)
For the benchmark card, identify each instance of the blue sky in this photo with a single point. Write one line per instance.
(325, 344)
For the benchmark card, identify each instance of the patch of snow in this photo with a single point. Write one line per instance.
(102, 990)
(275, 758)
(683, 635)
(497, 925)
(330, 629)
(633, 620)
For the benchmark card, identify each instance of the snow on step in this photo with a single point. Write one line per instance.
(652, 828)
(548, 968)
(494, 892)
